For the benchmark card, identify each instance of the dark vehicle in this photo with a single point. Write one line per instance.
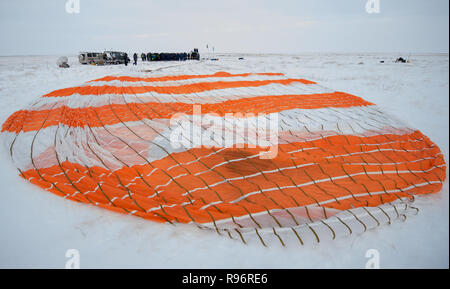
(114, 57)
(194, 55)
(401, 60)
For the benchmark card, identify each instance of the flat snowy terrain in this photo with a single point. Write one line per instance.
(37, 227)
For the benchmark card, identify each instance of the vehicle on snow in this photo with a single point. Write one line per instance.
(63, 62)
(194, 55)
(114, 57)
(92, 58)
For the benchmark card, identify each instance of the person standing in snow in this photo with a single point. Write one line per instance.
(135, 58)
(143, 56)
(126, 59)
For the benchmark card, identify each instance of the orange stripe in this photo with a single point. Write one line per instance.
(289, 197)
(319, 169)
(225, 211)
(326, 147)
(331, 145)
(175, 193)
(181, 77)
(25, 120)
(252, 169)
(181, 89)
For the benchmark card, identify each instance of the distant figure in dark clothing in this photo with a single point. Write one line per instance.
(135, 58)
(126, 59)
(143, 56)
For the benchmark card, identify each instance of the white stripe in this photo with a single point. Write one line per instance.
(163, 83)
(194, 161)
(79, 180)
(305, 129)
(209, 96)
(168, 206)
(174, 178)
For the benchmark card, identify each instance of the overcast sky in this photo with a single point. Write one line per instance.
(277, 26)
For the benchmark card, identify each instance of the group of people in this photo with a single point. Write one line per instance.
(163, 57)
(127, 59)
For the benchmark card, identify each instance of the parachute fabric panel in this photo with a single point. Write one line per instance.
(342, 166)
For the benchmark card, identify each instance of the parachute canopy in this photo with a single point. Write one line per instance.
(252, 156)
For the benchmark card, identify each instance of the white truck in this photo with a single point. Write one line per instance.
(101, 58)
(92, 58)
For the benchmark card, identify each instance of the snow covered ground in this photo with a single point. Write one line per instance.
(37, 228)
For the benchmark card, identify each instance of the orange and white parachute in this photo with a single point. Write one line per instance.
(342, 166)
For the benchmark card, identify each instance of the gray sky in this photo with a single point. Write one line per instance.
(277, 26)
